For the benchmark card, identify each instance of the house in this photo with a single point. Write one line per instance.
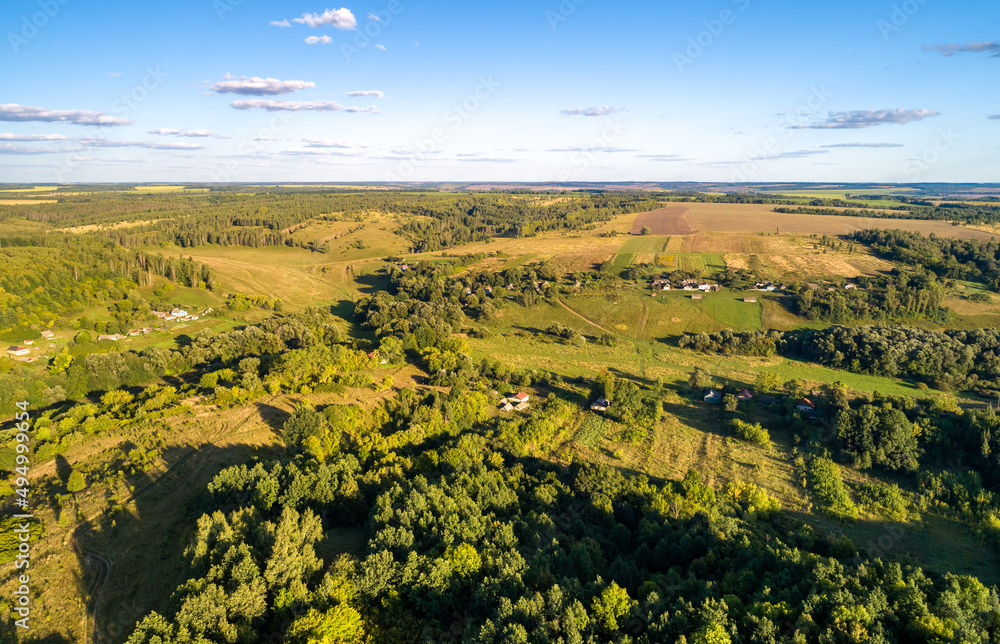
(805, 405)
(662, 284)
(521, 406)
(814, 287)
(18, 351)
(506, 406)
(600, 405)
(134, 332)
(518, 397)
(146, 330)
(749, 300)
(193, 317)
(404, 267)
(697, 296)
(713, 397)
(851, 287)
(29, 341)
(114, 338)
(706, 287)
(48, 335)
(178, 313)
(744, 395)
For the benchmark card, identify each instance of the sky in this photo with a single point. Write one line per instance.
(893, 91)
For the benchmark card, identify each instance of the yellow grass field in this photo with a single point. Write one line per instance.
(753, 218)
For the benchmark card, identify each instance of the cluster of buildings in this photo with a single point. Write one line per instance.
(22, 353)
(663, 284)
(848, 287)
(770, 287)
(804, 405)
(515, 402)
(176, 315)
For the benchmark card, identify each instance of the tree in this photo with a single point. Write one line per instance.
(767, 383)
(304, 422)
(729, 402)
(82, 337)
(646, 231)
(700, 379)
(795, 388)
(339, 625)
(77, 482)
(612, 604)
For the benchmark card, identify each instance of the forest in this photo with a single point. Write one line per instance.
(652, 516)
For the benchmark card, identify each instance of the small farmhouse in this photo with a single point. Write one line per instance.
(18, 351)
(713, 397)
(600, 405)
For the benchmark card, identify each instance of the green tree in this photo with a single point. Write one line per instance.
(700, 379)
(611, 606)
(767, 383)
(76, 482)
(339, 625)
(304, 422)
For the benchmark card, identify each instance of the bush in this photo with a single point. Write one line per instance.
(754, 433)
(829, 489)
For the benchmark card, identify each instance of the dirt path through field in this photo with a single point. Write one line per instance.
(582, 317)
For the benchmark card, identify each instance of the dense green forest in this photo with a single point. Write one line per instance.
(44, 278)
(960, 259)
(953, 359)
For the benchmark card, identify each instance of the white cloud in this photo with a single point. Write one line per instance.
(324, 143)
(7, 148)
(597, 148)
(590, 111)
(4, 136)
(338, 19)
(266, 137)
(153, 145)
(380, 47)
(15, 112)
(374, 93)
(298, 106)
(863, 145)
(372, 16)
(867, 118)
(165, 131)
(280, 23)
(991, 48)
(796, 154)
(312, 40)
(115, 74)
(257, 86)
(663, 157)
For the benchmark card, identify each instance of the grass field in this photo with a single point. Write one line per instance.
(754, 218)
(621, 262)
(645, 244)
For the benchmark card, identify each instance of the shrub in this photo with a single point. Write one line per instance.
(752, 433)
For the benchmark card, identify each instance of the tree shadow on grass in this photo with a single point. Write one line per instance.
(132, 555)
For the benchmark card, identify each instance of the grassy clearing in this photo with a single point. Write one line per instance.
(645, 244)
(621, 262)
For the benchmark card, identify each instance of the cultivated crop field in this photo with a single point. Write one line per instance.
(753, 218)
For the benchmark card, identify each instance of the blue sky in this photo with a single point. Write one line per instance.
(570, 90)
